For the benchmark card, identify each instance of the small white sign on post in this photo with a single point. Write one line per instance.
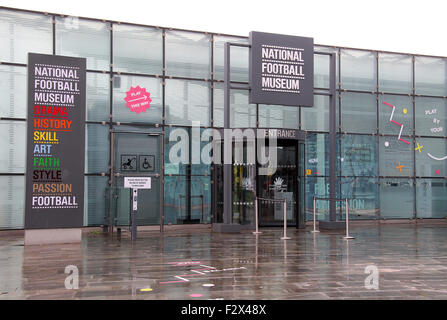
(137, 182)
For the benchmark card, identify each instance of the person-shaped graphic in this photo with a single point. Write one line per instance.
(128, 164)
(146, 164)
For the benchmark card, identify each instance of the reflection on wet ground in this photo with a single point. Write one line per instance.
(411, 260)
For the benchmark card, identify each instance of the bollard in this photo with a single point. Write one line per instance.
(347, 237)
(285, 222)
(133, 215)
(256, 217)
(315, 220)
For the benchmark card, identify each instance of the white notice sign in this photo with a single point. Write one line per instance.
(137, 182)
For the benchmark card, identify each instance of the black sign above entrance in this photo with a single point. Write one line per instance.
(281, 69)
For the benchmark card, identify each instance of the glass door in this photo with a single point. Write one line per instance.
(136, 155)
(282, 184)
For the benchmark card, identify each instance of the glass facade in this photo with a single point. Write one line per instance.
(391, 114)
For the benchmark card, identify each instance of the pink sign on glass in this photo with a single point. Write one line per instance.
(138, 99)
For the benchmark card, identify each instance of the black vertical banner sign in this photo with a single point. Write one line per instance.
(55, 142)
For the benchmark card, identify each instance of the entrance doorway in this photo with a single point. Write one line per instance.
(136, 154)
(287, 182)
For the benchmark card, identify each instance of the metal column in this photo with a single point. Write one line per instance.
(332, 140)
(227, 225)
(228, 190)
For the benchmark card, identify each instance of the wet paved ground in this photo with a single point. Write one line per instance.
(411, 259)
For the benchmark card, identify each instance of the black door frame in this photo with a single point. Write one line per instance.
(296, 191)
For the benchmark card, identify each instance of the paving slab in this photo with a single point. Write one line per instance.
(410, 260)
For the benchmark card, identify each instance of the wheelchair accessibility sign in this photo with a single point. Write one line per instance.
(134, 163)
(146, 163)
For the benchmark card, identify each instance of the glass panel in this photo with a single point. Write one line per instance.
(84, 38)
(21, 33)
(242, 114)
(238, 59)
(185, 147)
(201, 199)
(431, 76)
(362, 194)
(403, 114)
(317, 154)
(218, 104)
(318, 187)
(12, 144)
(317, 117)
(395, 73)
(137, 154)
(358, 70)
(149, 208)
(12, 202)
(396, 198)
(187, 101)
(430, 198)
(97, 148)
(175, 199)
(98, 97)
(431, 117)
(96, 200)
(321, 67)
(176, 150)
(137, 49)
(13, 92)
(148, 212)
(430, 157)
(358, 112)
(244, 187)
(278, 116)
(122, 113)
(200, 163)
(217, 191)
(358, 155)
(395, 157)
(188, 54)
(301, 185)
(283, 184)
(321, 71)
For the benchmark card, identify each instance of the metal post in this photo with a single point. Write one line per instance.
(227, 174)
(180, 206)
(315, 219)
(285, 221)
(162, 182)
(256, 217)
(203, 206)
(111, 176)
(133, 215)
(347, 222)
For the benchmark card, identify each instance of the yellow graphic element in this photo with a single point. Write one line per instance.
(405, 110)
(400, 167)
(146, 289)
(419, 148)
(308, 172)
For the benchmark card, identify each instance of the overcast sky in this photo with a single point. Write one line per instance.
(390, 25)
